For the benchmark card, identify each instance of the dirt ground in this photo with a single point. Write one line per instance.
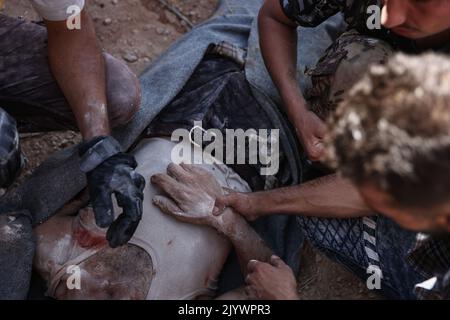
(138, 31)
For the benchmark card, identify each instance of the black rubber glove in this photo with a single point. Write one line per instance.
(110, 171)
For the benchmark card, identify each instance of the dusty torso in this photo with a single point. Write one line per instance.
(186, 259)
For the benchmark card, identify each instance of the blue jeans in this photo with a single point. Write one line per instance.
(358, 243)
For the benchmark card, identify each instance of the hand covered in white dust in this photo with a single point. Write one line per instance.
(192, 191)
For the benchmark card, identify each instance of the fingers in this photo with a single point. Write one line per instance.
(251, 292)
(129, 198)
(219, 206)
(131, 204)
(321, 129)
(128, 160)
(276, 261)
(193, 168)
(252, 264)
(103, 208)
(121, 231)
(138, 181)
(177, 172)
(166, 205)
(166, 183)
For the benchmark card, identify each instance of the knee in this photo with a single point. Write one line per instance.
(11, 159)
(123, 91)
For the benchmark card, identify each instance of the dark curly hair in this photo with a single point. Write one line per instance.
(393, 130)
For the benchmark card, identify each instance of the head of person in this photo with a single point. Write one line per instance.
(74, 259)
(416, 19)
(391, 137)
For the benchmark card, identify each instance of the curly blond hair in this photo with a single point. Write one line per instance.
(393, 130)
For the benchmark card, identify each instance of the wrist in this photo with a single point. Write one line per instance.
(229, 223)
(96, 150)
(256, 202)
(295, 104)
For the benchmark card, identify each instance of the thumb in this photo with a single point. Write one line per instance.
(321, 129)
(221, 203)
(276, 261)
(166, 205)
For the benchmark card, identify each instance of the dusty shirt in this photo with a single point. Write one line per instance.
(55, 10)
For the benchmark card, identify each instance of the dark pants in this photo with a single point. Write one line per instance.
(33, 99)
(364, 244)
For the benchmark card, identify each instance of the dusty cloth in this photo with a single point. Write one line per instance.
(17, 247)
(344, 63)
(219, 96)
(55, 10)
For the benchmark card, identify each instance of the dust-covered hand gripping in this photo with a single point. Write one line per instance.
(110, 171)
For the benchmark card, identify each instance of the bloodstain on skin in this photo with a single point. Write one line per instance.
(88, 239)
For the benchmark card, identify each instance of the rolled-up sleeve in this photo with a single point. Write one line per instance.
(311, 13)
(56, 10)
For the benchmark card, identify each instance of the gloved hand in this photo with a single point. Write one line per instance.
(110, 171)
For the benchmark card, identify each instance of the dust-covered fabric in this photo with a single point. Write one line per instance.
(431, 257)
(344, 63)
(57, 10)
(370, 246)
(17, 247)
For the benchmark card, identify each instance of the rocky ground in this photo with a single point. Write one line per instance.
(138, 31)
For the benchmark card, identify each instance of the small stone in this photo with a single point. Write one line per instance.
(160, 30)
(130, 57)
(107, 21)
(172, 18)
(114, 2)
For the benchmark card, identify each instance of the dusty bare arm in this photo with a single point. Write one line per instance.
(278, 42)
(328, 197)
(247, 243)
(77, 63)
